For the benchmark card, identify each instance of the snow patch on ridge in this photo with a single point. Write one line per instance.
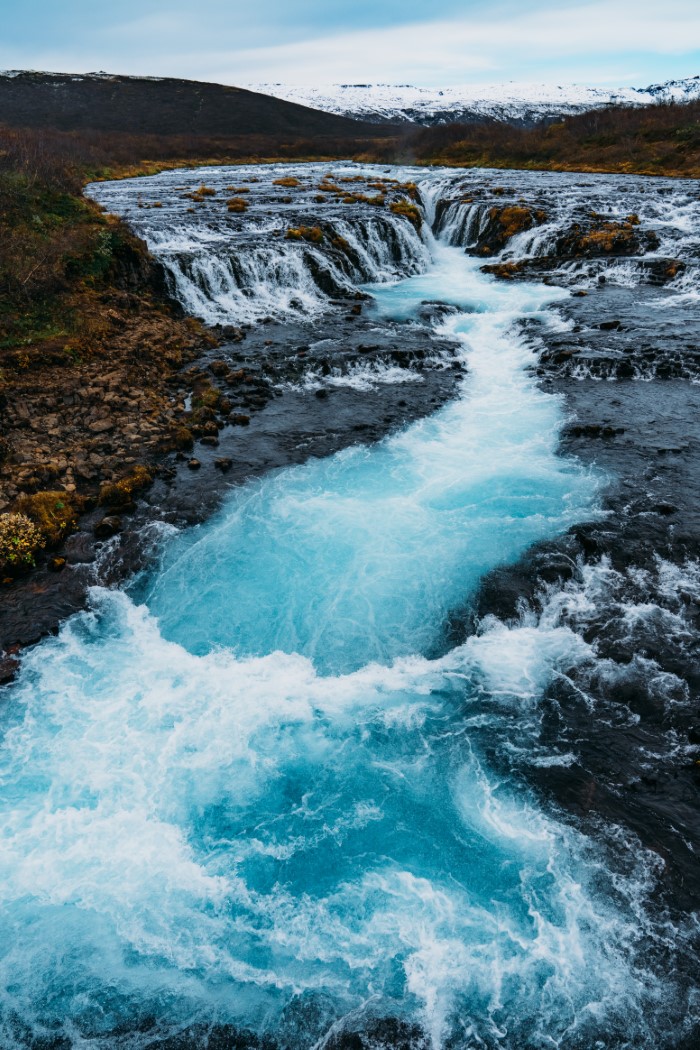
(507, 102)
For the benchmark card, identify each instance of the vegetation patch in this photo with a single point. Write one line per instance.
(503, 224)
(237, 204)
(313, 234)
(54, 513)
(20, 541)
(606, 238)
(504, 270)
(408, 211)
(289, 181)
(408, 188)
(331, 188)
(199, 195)
(121, 493)
(661, 139)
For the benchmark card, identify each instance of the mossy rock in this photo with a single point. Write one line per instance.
(121, 493)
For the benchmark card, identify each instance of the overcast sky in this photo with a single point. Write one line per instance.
(433, 43)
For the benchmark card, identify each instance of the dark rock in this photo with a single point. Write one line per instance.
(56, 564)
(665, 509)
(9, 667)
(109, 526)
(232, 333)
(193, 464)
(223, 463)
(79, 549)
(610, 326)
(593, 430)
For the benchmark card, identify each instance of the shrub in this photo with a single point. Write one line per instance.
(20, 540)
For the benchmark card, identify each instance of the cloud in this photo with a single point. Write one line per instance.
(447, 51)
(598, 40)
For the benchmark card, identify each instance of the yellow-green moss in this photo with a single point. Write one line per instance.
(53, 512)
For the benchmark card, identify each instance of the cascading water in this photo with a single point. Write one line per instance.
(253, 796)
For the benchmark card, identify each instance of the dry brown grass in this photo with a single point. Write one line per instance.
(312, 234)
(662, 139)
(408, 211)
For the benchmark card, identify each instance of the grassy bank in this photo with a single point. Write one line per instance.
(88, 342)
(91, 347)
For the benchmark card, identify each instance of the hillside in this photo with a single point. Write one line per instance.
(663, 139)
(511, 103)
(150, 106)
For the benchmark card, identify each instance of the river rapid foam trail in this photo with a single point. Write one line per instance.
(246, 801)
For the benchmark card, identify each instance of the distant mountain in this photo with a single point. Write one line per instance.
(511, 103)
(162, 106)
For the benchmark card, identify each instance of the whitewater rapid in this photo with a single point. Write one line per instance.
(254, 789)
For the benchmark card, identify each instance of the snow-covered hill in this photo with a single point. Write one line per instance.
(512, 103)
